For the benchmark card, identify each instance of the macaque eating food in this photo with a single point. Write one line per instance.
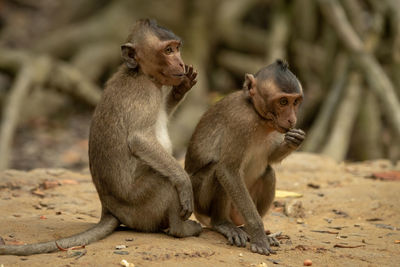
(231, 151)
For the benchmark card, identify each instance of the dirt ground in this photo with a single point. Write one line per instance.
(343, 206)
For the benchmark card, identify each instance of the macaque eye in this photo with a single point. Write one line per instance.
(168, 50)
(283, 101)
(296, 102)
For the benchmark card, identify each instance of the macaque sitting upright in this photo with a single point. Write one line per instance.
(139, 182)
(231, 151)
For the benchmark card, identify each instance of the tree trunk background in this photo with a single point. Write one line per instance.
(56, 55)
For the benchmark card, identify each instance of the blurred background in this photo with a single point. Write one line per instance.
(55, 57)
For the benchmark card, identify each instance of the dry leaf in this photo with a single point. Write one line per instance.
(38, 192)
(283, 194)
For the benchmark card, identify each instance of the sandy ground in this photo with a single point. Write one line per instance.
(366, 216)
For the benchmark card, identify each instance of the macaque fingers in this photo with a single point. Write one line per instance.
(295, 135)
(292, 140)
(193, 76)
(260, 250)
(298, 131)
(189, 70)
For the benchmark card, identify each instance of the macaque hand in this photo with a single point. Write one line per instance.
(294, 138)
(188, 82)
(185, 193)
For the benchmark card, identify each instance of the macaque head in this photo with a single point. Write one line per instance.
(154, 51)
(276, 94)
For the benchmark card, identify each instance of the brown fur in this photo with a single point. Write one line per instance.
(230, 155)
(139, 182)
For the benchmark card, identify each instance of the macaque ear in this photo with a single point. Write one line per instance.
(249, 85)
(128, 55)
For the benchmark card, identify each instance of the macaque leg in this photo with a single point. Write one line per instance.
(263, 193)
(177, 226)
(156, 207)
(220, 221)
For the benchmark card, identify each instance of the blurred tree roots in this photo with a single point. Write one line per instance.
(345, 52)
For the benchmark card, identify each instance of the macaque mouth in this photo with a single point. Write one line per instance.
(179, 75)
(282, 129)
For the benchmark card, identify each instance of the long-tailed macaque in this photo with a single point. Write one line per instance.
(139, 182)
(231, 151)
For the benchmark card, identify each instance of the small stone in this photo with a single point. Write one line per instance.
(300, 221)
(240, 254)
(295, 209)
(307, 263)
(126, 263)
(75, 253)
(50, 184)
(120, 247)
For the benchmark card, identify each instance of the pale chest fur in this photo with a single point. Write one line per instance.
(257, 156)
(161, 126)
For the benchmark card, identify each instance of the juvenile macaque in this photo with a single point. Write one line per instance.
(231, 151)
(139, 182)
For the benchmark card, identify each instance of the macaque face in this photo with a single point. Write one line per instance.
(284, 107)
(273, 103)
(170, 57)
(160, 60)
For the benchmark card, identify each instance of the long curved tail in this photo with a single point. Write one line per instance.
(103, 228)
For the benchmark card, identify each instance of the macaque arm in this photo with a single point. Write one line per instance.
(145, 146)
(173, 99)
(178, 92)
(233, 183)
(293, 139)
(280, 152)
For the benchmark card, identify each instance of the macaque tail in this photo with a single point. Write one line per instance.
(103, 228)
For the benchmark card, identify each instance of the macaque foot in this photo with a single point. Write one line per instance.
(185, 229)
(262, 246)
(235, 235)
(273, 240)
